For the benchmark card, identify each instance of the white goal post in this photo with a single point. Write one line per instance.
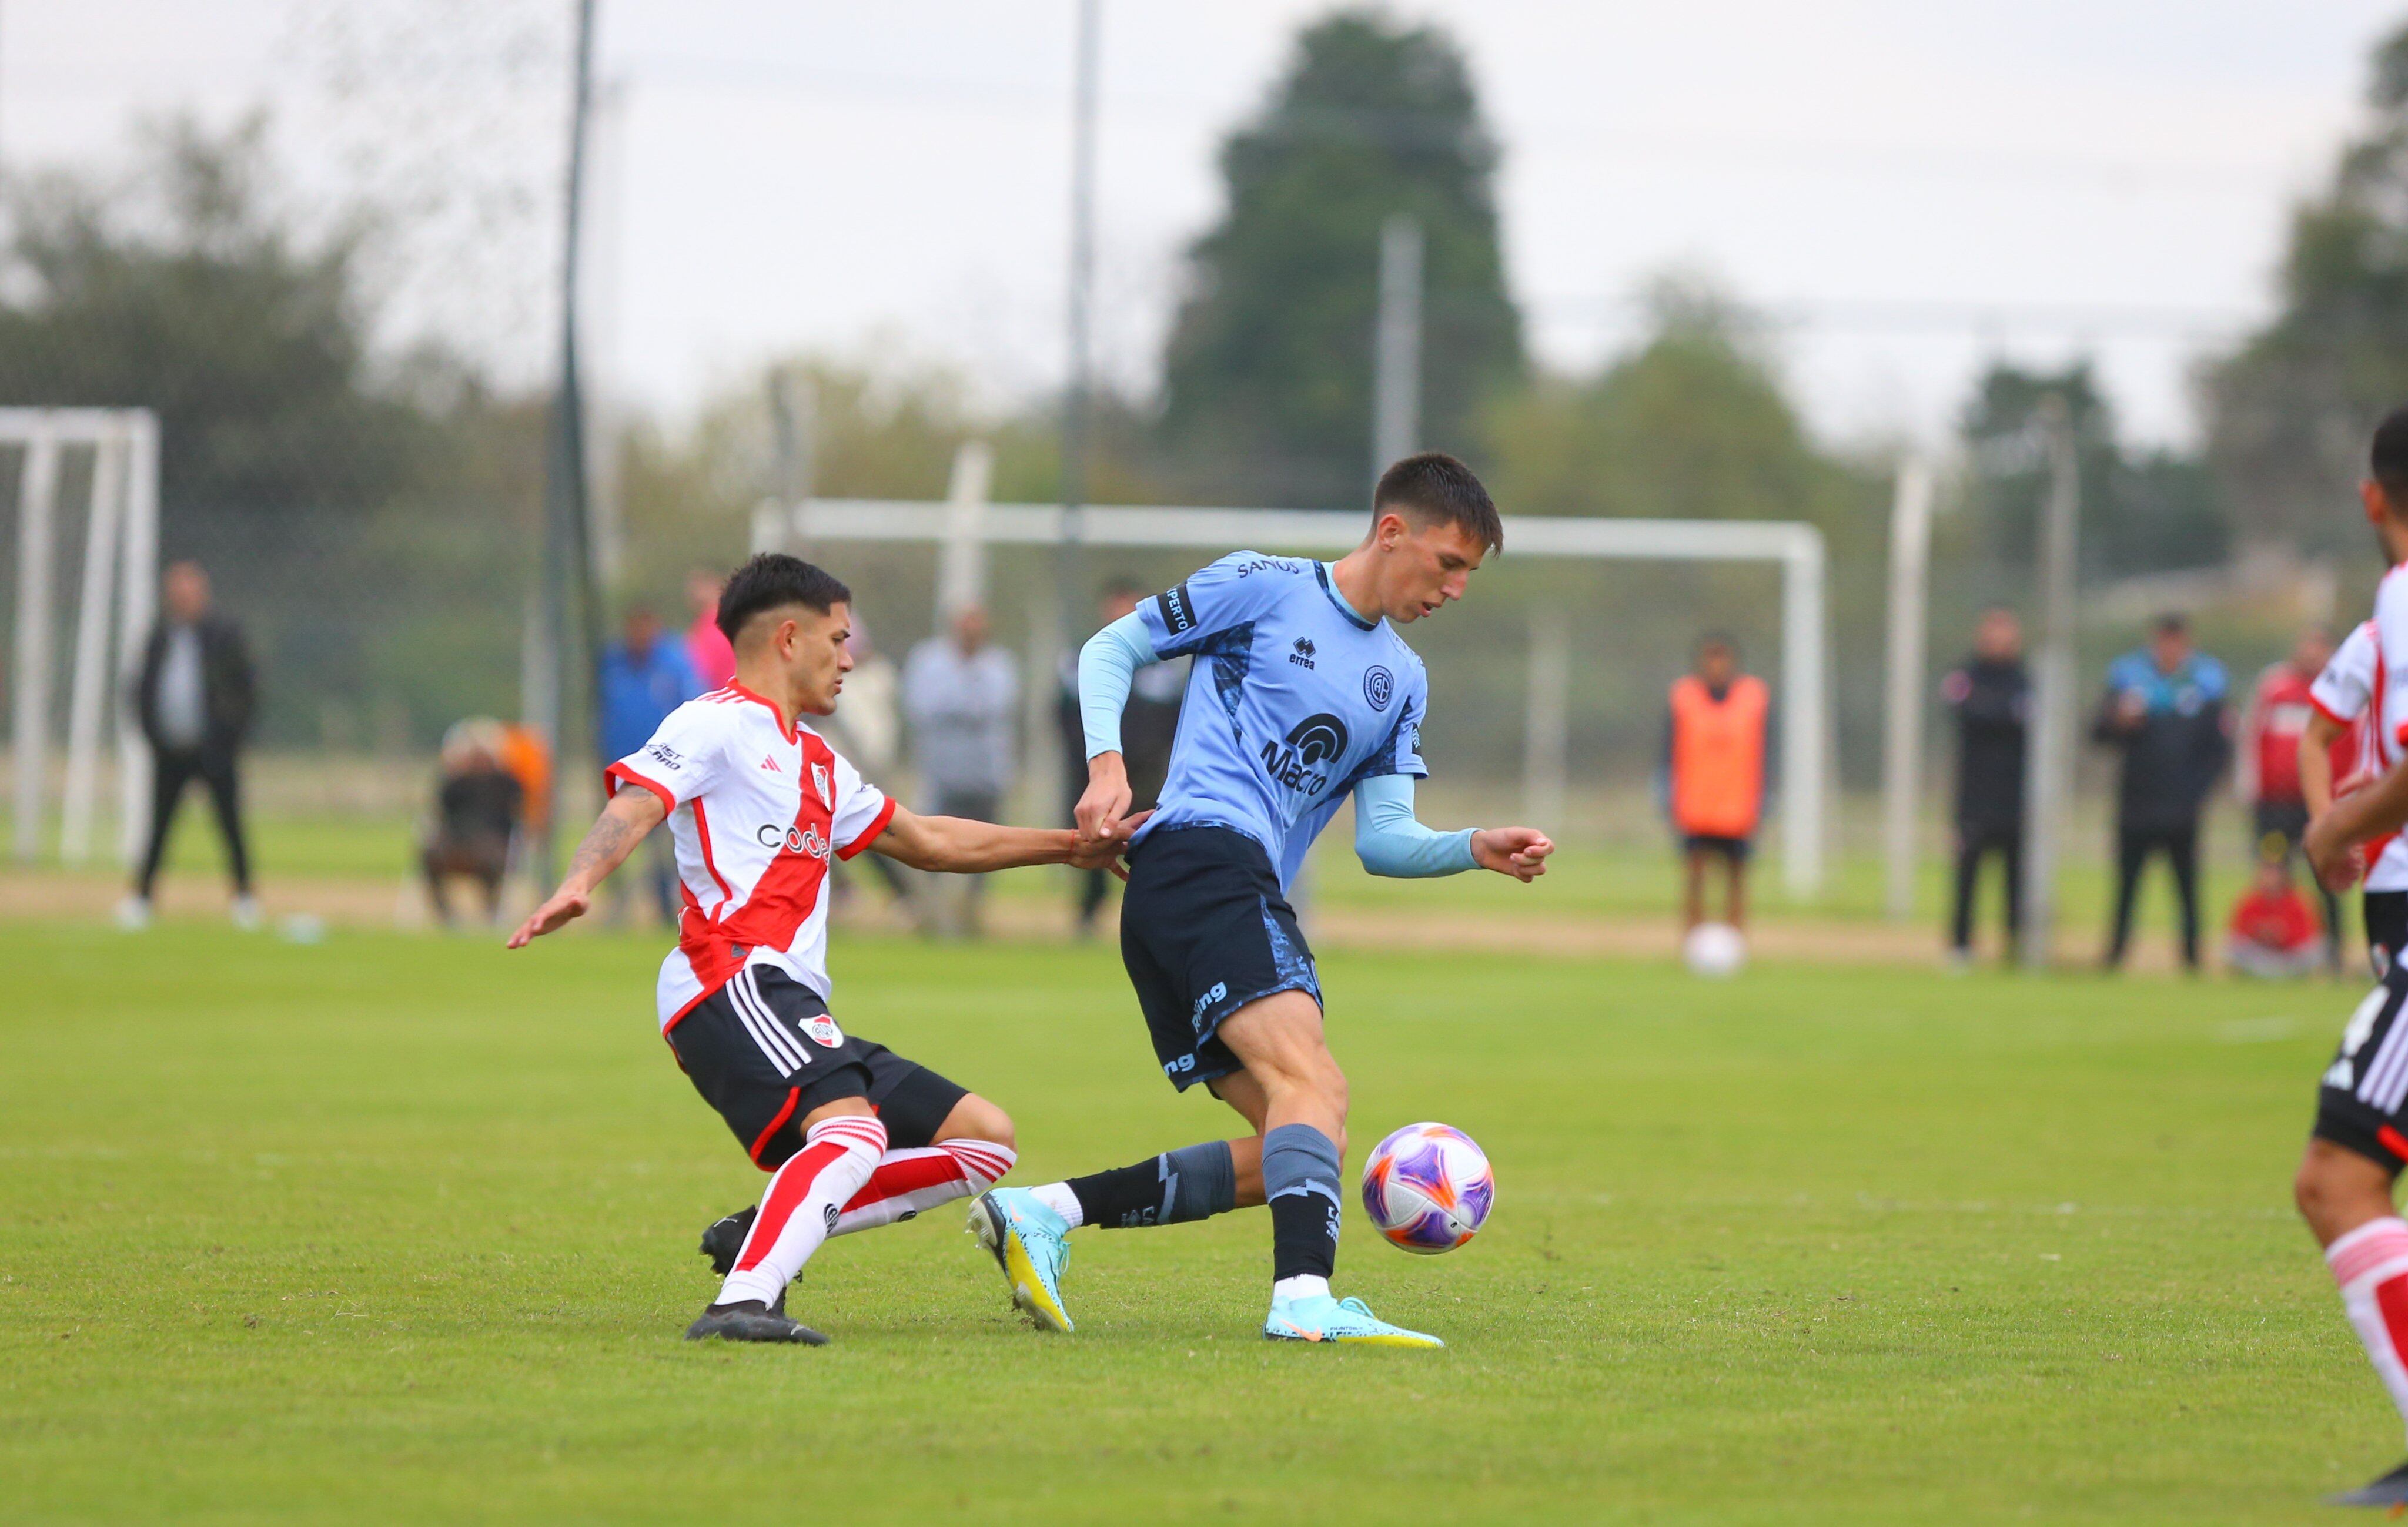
(1797, 548)
(120, 571)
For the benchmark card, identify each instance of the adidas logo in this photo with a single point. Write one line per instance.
(771, 765)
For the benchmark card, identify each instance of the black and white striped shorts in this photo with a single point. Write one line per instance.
(765, 1052)
(2363, 1103)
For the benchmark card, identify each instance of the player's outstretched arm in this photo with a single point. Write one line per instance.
(1391, 840)
(962, 846)
(613, 836)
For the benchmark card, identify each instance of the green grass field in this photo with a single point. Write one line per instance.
(401, 1229)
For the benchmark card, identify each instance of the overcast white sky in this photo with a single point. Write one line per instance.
(1920, 187)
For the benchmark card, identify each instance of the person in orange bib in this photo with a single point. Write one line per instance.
(1716, 760)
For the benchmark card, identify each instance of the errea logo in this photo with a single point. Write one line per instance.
(1302, 656)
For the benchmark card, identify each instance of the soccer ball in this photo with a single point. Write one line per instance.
(1715, 951)
(1428, 1188)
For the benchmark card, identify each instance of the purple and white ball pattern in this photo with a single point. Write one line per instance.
(1428, 1188)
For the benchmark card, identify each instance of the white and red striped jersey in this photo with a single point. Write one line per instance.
(2361, 687)
(755, 808)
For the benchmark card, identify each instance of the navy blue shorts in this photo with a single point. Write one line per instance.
(1205, 929)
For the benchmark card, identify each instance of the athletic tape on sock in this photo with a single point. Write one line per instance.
(1299, 1159)
(1197, 1183)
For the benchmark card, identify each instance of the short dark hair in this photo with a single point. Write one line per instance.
(2388, 458)
(772, 580)
(1717, 641)
(1122, 586)
(2173, 622)
(1436, 487)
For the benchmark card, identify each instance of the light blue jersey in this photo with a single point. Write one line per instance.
(1294, 700)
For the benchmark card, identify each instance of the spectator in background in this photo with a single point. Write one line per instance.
(1148, 725)
(961, 700)
(1990, 695)
(2164, 711)
(644, 678)
(2274, 929)
(479, 809)
(2271, 731)
(193, 696)
(1716, 758)
(706, 647)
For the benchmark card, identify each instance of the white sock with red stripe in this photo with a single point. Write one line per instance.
(908, 1182)
(802, 1204)
(2371, 1265)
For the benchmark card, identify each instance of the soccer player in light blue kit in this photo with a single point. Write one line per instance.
(1301, 693)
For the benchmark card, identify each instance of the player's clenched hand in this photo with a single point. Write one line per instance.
(1518, 852)
(1105, 853)
(2337, 862)
(563, 910)
(1103, 806)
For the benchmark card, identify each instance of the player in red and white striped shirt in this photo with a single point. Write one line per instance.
(2361, 1140)
(756, 803)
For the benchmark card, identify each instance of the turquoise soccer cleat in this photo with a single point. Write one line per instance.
(1320, 1318)
(1025, 1239)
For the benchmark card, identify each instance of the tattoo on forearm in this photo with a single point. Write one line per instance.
(602, 848)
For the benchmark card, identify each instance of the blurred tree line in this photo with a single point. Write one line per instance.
(373, 514)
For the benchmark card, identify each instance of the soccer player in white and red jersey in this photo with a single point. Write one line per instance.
(2361, 1140)
(757, 802)
(2339, 752)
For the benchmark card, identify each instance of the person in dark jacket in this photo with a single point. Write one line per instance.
(2165, 710)
(193, 696)
(1990, 695)
(1147, 728)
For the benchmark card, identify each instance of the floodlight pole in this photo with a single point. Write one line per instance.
(2048, 761)
(1077, 393)
(1909, 554)
(1396, 366)
(567, 567)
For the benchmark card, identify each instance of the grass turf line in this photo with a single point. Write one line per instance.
(402, 1229)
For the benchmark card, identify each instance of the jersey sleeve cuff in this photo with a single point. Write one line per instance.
(2318, 704)
(876, 825)
(617, 772)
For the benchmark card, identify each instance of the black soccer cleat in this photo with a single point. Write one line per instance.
(2391, 1490)
(724, 1242)
(749, 1320)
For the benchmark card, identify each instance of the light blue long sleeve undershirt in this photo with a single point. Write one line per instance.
(1108, 665)
(1388, 839)
(1391, 841)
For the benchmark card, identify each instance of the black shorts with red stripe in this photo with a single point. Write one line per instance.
(764, 1050)
(2363, 1106)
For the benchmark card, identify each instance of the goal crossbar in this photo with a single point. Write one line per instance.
(1796, 548)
